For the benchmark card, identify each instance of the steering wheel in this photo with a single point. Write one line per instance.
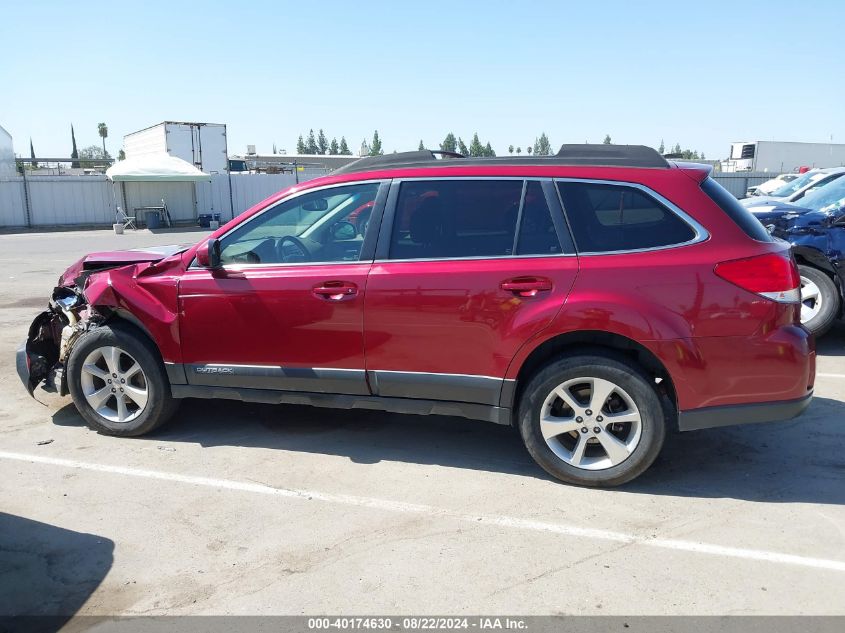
(293, 250)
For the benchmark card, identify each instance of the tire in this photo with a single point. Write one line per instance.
(571, 429)
(144, 390)
(820, 310)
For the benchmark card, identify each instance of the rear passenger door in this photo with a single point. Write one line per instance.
(466, 271)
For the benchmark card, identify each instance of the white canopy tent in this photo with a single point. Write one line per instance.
(155, 168)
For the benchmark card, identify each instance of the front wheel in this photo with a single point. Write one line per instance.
(118, 383)
(592, 420)
(819, 300)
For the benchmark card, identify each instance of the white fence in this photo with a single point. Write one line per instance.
(738, 182)
(41, 201)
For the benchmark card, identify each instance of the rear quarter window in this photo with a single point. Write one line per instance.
(607, 218)
(741, 216)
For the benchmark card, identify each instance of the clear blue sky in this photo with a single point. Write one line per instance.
(702, 74)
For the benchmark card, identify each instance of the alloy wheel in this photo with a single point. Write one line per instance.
(811, 300)
(591, 423)
(114, 384)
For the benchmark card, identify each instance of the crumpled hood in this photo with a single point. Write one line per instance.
(786, 220)
(113, 259)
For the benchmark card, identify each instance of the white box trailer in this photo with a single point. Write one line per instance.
(201, 144)
(7, 155)
(780, 157)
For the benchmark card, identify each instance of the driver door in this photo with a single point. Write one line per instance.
(285, 311)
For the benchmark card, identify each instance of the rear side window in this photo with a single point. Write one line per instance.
(455, 218)
(741, 216)
(606, 218)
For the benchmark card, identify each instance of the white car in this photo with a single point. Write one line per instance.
(797, 189)
(769, 186)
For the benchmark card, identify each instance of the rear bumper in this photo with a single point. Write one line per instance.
(710, 417)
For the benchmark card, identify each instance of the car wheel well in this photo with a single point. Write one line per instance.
(604, 343)
(128, 321)
(803, 261)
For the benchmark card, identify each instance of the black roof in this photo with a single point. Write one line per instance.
(586, 155)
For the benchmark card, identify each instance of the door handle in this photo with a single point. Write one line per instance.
(526, 286)
(335, 290)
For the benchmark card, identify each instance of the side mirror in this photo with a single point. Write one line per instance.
(208, 255)
(342, 231)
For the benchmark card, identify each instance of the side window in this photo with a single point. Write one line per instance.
(437, 219)
(607, 218)
(323, 226)
(537, 235)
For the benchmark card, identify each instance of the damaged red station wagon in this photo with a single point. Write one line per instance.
(593, 299)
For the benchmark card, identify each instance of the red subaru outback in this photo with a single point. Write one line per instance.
(592, 299)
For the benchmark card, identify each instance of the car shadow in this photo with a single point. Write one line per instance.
(795, 461)
(47, 572)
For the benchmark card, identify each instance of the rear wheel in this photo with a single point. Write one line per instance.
(592, 420)
(819, 300)
(118, 383)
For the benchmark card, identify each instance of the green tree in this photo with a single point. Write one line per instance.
(607, 140)
(449, 144)
(93, 156)
(529, 149)
(542, 147)
(311, 143)
(301, 147)
(34, 163)
(333, 148)
(74, 154)
(462, 147)
(344, 148)
(421, 148)
(662, 148)
(375, 146)
(510, 149)
(322, 143)
(702, 156)
(103, 131)
(518, 151)
(488, 150)
(677, 149)
(121, 155)
(475, 147)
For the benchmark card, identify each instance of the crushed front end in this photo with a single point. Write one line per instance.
(51, 337)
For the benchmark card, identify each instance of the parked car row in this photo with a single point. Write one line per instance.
(796, 188)
(815, 227)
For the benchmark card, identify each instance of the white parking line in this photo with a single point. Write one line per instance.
(830, 375)
(413, 508)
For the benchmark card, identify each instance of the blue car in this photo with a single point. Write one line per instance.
(816, 230)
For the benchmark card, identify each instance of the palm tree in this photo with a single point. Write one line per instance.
(103, 130)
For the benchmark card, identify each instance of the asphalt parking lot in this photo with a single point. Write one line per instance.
(239, 508)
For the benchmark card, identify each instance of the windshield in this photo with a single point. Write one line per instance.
(797, 184)
(828, 199)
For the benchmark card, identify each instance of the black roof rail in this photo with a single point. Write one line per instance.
(619, 155)
(585, 155)
(370, 163)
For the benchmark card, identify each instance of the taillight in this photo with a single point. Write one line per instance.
(773, 275)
